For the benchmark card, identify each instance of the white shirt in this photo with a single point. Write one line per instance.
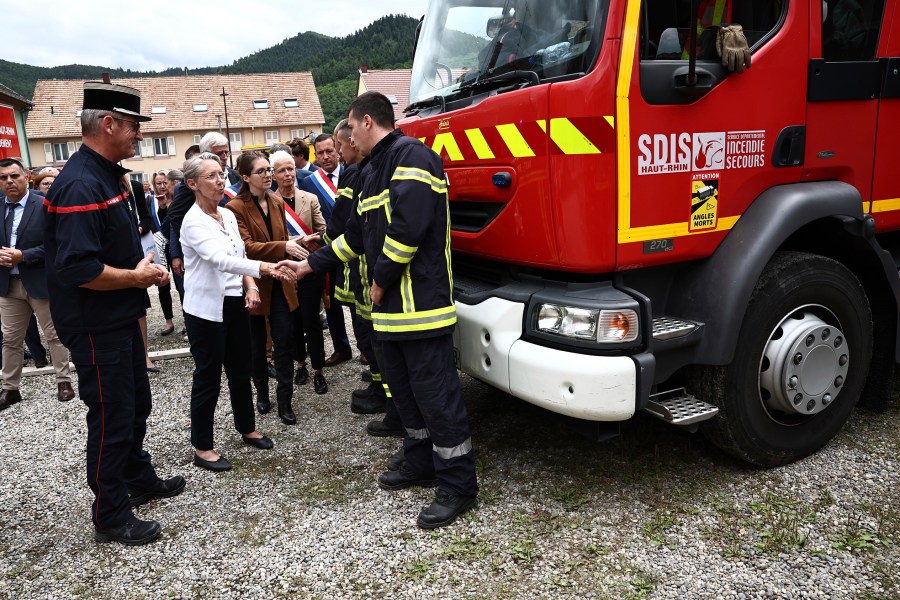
(17, 218)
(214, 262)
(337, 175)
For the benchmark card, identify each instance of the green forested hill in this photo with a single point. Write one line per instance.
(384, 44)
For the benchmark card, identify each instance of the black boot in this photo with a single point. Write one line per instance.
(286, 412)
(262, 396)
(369, 401)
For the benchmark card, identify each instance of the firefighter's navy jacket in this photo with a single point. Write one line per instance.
(90, 222)
(337, 224)
(402, 224)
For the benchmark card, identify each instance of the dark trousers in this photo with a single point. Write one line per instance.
(371, 349)
(281, 324)
(335, 315)
(165, 300)
(112, 382)
(425, 385)
(214, 345)
(308, 338)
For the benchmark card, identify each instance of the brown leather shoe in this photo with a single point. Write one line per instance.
(8, 398)
(337, 358)
(64, 391)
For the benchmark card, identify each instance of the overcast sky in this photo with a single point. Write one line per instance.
(144, 35)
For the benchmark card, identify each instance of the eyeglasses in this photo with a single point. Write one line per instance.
(135, 126)
(215, 176)
(223, 153)
(262, 172)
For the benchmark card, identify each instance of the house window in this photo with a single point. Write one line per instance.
(393, 99)
(197, 139)
(297, 133)
(201, 107)
(158, 110)
(77, 113)
(137, 150)
(272, 137)
(236, 141)
(260, 104)
(61, 151)
(291, 103)
(164, 146)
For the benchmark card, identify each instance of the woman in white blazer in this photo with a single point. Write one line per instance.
(218, 291)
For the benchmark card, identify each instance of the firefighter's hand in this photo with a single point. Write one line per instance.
(731, 44)
(146, 273)
(294, 249)
(377, 294)
(312, 241)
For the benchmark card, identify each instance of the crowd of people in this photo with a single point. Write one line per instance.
(256, 253)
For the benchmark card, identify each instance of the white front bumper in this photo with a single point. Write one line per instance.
(489, 347)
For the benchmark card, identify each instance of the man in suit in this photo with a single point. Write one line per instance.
(324, 183)
(23, 283)
(300, 152)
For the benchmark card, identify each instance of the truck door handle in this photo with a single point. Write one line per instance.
(789, 147)
(705, 80)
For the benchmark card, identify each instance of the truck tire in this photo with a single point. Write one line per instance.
(799, 366)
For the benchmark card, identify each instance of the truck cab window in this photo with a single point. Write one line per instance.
(666, 25)
(850, 29)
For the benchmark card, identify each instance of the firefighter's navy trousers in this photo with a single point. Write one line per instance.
(425, 386)
(112, 382)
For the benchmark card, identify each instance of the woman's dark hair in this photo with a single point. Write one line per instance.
(245, 167)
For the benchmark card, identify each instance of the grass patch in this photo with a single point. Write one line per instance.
(467, 549)
(333, 485)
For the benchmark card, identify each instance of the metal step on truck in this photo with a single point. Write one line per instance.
(689, 208)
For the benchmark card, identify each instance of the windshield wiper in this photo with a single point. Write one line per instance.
(417, 107)
(531, 77)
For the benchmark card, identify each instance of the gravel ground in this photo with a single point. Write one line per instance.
(654, 513)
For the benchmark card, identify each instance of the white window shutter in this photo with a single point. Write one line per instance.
(171, 141)
(72, 148)
(147, 147)
(48, 153)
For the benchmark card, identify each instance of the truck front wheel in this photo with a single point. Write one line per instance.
(800, 363)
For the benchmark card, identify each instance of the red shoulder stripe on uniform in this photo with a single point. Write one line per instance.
(85, 207)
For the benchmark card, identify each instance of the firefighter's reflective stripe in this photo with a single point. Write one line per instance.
(343, 250)
(387, 390)
(406, 292)
(342, 292)
(325, 239)
(447, 254)
(409, 173)
(709, 13)
(418, 434)
(455, 451)
(373, 202)
(415, 321)
(397, 252)
(376, 377)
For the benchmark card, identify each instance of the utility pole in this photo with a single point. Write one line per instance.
(224, 95)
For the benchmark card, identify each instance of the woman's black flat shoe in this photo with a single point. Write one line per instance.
(213, 465)
(263, 443)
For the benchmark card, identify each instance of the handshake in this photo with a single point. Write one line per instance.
(280, 271)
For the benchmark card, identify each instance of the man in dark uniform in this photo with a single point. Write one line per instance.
(96, 276)
(401, 223)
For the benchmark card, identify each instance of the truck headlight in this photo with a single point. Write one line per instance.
(607, 326)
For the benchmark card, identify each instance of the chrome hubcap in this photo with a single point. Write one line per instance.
(804, 364)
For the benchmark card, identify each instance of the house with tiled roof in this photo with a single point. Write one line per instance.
(393, 83)
(261, 109)
(13, 108)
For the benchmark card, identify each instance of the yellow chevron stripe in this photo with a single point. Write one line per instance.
(623, 119)
(517, 145)
(479, 144)
(570, 139)
(658, 232)
(446, 141)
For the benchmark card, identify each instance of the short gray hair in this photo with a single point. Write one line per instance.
(279, 148)
(176, 175)
(90, 120)
(280, 157)
(194, 164)
(213, 138)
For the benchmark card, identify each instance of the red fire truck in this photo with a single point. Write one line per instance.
(638, 228)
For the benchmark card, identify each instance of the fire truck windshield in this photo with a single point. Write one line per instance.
(463, 42)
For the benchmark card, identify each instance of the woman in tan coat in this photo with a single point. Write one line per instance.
(261, 221)
(309, 342)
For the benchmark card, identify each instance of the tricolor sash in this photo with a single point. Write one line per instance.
(294, 223)
(325, 186)
(154, 210)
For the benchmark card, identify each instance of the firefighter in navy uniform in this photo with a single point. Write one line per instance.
(402, 225)
(96, 276)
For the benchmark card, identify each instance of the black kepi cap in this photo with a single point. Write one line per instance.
(110, 96)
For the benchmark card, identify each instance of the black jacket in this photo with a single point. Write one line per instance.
(401, 223)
